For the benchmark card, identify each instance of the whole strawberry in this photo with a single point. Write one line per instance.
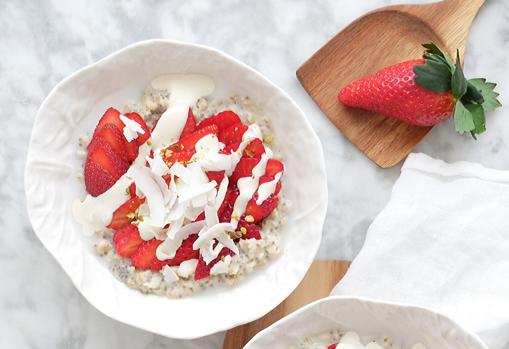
(425, 92)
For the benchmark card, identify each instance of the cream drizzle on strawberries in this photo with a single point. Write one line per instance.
(201, 194)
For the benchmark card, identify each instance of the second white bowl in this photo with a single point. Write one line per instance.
(405, 325)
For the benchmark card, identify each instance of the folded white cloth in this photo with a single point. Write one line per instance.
(442, 242)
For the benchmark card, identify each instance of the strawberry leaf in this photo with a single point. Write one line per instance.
(487, 90)
(434, 52)
(433, 76)
(478, 117)
(463, 119)
(473, 95)
(458, 81)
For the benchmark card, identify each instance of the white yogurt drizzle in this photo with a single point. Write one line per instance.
(184, 90)
(193, 194)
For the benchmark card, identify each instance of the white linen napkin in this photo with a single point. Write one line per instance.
(442, 242)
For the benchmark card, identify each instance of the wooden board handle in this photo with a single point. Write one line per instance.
(449, 19)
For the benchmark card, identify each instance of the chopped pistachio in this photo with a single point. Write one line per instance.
(249, 219)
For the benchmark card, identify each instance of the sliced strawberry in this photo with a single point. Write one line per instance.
(255, 149)
(188, 142)
(249, 230)
(114, 137)
(233, 134)
(226, 209)
(230, 148)
(142, 138)
(123, 215)
(274, 167)
(202, 270)
(127, 240)
(260, 212)
(132, 149)
(110, 116)
(217, 176)
(132, 190)
(171, 157)
(332, 346)
(190, 125)
(222, 120)
(265, 179)
(243, 169)
(103, 155)
(185, 252)
(97, 180)
(145, 256)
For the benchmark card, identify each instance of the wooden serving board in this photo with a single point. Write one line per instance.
(384, 37)
(318, 283)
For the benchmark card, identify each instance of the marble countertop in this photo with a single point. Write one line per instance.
(44, 41)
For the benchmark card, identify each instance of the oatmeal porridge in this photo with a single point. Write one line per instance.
(184, 192)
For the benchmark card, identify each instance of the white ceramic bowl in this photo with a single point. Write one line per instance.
(405, 325)
(73, 108)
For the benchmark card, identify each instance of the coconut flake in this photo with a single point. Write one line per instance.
(211, 216)
(179, 170)
(148, 231)
(221, 267)
(189, 192)
(221, 193)
(205, 241)
(131, 128)
(149, 187)
(187, 268)
(157, 164)
(207, 144)
(169, 247)
(209, 252)
(169, 275)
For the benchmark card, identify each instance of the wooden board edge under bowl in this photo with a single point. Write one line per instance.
(320, 279)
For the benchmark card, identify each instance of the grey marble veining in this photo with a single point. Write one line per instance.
(41, 42)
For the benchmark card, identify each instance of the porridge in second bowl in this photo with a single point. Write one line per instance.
(337, 339)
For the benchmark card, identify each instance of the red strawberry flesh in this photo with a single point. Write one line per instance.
(190, 125)
(127, 240)
(255, 149)
(123, 214)
(222, 120)
(233, 134)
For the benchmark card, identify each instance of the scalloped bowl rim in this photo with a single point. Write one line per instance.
(450, 323)
(312, 248)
